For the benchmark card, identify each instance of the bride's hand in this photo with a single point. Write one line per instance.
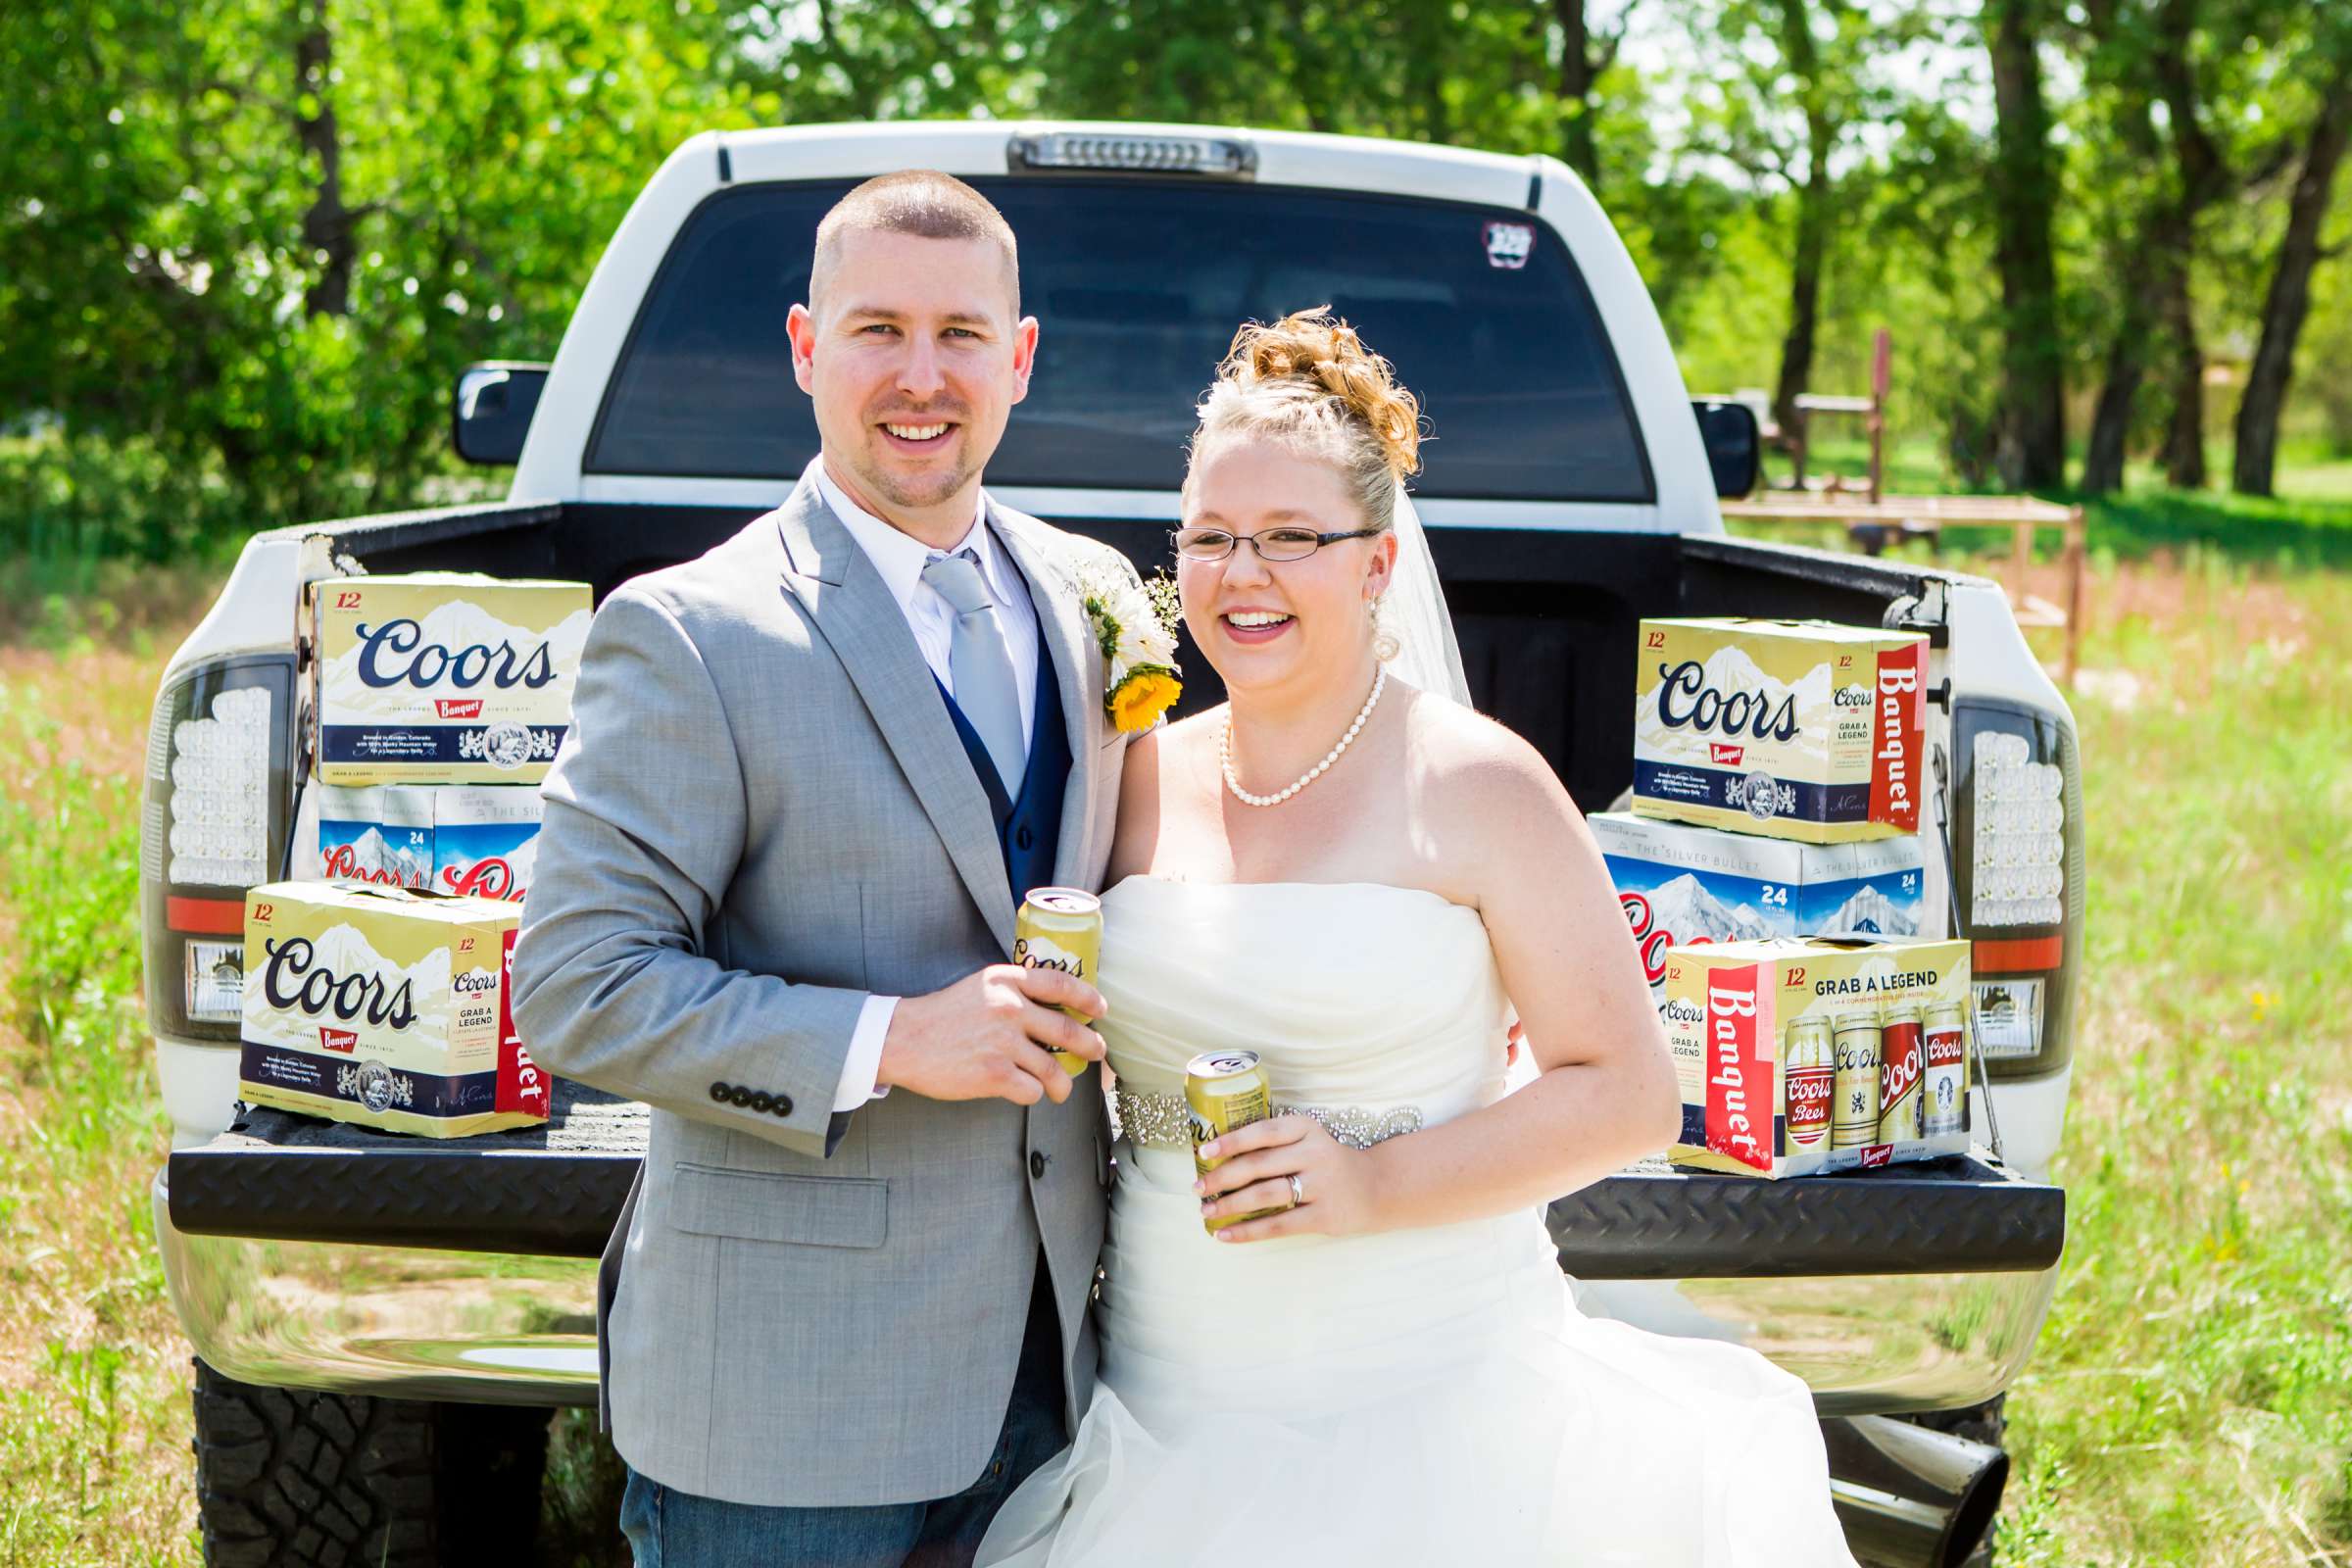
(1257, 1163)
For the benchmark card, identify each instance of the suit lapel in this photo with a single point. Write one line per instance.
(1077, 666)
(852, 607)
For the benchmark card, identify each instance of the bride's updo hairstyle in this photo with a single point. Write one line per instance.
(1309, 382)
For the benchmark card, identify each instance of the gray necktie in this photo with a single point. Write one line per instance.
(981, 664)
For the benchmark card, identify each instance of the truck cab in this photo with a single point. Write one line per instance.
(1570, 490)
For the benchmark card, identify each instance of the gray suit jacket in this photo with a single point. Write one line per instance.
(762, 814)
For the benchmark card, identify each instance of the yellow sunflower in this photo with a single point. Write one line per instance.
(1141, 698)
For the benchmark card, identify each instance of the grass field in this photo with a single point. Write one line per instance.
(2190, 1401)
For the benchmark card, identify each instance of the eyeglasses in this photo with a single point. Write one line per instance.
(1271, 543)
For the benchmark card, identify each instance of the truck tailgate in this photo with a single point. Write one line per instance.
(555, 1190)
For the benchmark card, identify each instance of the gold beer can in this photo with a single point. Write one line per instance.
(1943, 1095)
(1855, 1118)
(1902, 1065)
(1060, 928)
(1225, 1090)
(1809, 1069)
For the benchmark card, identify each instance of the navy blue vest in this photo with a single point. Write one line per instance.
(1028, 825)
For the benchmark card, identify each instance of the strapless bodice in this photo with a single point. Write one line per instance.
(1368, 1001)
(1393, 1397)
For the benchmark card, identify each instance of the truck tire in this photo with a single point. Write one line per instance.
(1987, 1423)
(307, 1480)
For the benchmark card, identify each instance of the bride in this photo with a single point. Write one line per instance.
(1351, 873)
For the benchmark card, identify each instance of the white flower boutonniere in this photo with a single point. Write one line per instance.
(1135, 626)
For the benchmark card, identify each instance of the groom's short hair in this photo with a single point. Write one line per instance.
(916, 201)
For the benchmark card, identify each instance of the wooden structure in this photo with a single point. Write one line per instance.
(1871, 410)
(1870, 522)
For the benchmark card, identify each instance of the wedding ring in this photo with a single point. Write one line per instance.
(1297, 1190)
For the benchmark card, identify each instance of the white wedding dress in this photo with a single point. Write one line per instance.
(1411, 1398)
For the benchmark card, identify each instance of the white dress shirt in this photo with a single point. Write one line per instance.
(901, 559)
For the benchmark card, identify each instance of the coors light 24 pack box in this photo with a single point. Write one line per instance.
(444, 678)
(1682, 886)
(384, 1006)
(1818, 1056)
(480, 839)
(1796, 729)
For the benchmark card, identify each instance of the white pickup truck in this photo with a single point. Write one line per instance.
(382, 1324)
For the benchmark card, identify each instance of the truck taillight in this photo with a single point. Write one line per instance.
(215, 821)
(2017, 867)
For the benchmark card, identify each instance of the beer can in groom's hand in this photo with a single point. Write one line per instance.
(1225, 1090)
(1060, 928)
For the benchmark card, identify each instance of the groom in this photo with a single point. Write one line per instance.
(810, 777)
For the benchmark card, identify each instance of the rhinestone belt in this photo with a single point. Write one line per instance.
(1165, 1121)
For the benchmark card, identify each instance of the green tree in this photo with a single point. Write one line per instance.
(2022, 185)
(2287, 301)
(264, 237)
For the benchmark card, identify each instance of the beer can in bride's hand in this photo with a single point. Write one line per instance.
(1225, 1090)
(1060, 928)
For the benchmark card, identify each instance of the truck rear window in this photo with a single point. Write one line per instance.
(1137, 288)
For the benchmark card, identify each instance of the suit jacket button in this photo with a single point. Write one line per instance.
(763, 1102)
(720, 1091)
(783, 1106)
(1037, 1166)
(740, 1094)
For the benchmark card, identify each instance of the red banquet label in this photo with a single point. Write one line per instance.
(1895, 737)
(458, 707)
(1739, 1077)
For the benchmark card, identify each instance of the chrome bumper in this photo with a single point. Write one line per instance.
(506, 1328)
(401, 1321)
(1866, 1345)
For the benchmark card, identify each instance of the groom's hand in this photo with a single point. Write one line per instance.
(991, 1036)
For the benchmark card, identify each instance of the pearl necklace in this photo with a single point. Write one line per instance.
(1379, 684)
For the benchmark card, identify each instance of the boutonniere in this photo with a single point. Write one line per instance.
(1135, 626)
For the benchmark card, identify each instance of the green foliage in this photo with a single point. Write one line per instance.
(246, 246)
(2190, 1396)
(257, 242)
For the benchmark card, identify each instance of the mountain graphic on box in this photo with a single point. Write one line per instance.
(344, 950)
(1687, 912)
(1727, 670)
(462, 850)
(1870, 913)
(370, 855)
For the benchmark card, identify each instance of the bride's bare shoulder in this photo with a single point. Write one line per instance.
(1466, 760)
(1485, 796)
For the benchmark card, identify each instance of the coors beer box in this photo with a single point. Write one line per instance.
(1818, 1056)
(444, 678)
(1796, 729)
(384, 1006)
(1682, 886)
(481, 839)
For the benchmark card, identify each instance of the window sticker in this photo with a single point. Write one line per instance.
(1509, 245)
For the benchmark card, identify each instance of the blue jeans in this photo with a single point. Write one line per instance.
(671, 1529)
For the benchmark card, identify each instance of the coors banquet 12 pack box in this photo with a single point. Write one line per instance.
(1798, 1056)
(1796, 729)
(385, 1006)
(443, 677)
